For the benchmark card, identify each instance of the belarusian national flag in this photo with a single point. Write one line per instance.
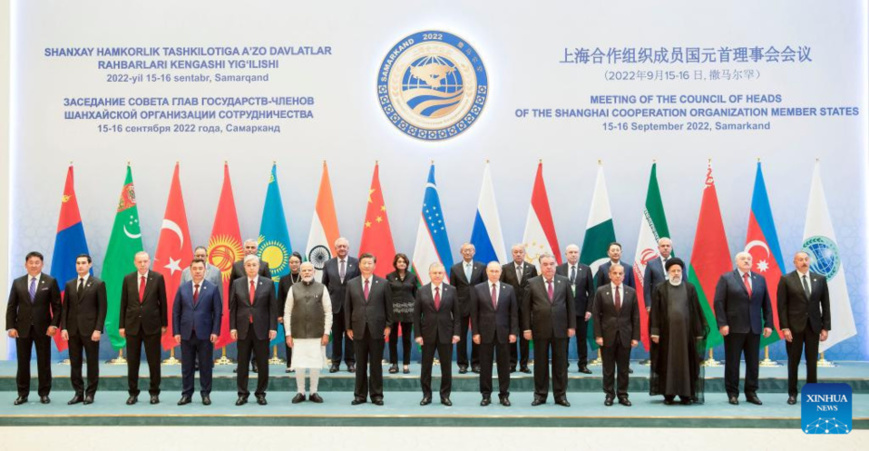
(599, 233)
(224, 248)
(324, 227)
(376, 235)
(432, 241)
(539, 237)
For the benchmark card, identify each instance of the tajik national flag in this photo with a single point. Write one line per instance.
(819, 241)
(174, 251)
(432, 241)
(539, 237)
(224, 247)
(324, 227)
(710, 257)
(376, 235)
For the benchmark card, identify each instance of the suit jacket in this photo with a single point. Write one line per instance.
(654, 274)
(733, 307)
(508, 276)
(44, 311)
(284, 286)
(332, 280)
(494, 324)
(212, 274)
(375, 313)
(463, 285)
(264, 308)
(796, 311)
(432, 324)
(203, 318)
(238, 270)
(547, 319)
(608, 323)
(149, 315)
(86, 312)
(603, 274)
(583, 291)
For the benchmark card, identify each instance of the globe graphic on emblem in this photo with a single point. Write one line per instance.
(824, 255)
(432, 86)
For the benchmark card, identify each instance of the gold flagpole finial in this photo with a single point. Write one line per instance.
(599, 162)
(128, 163)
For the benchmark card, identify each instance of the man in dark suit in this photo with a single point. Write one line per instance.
(616, 330)
(238, 271)
(463, 276)
(743, 310)
(614, 251)
(337, 271)
(436, 319)
(196, 315)
(367, 319)
(549, 319)
(517, 274)
(804, 318)
(582, 287)
(495, 324)
(33, 314)
(655, 274)
(253, 321)
(143, 320)
(82, 323)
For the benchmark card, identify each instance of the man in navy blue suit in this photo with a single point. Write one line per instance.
(741, 297)
(614, 252)
(196, 316)
(495, 324)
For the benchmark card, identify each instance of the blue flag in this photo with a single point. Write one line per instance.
(274, 239)
(432, 242)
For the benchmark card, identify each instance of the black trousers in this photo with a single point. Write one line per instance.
(559, 367)
(134, 357)
(748, 345)
(260, 349)
(191, 349)
(581, 340)
(24, 348)
(616, 358)
(369, 356)
(406, 336)
(289, 355)
(78, 344)
(488, 352)
(462, 346)
(445, 354)
(342, 345)
(810, 341)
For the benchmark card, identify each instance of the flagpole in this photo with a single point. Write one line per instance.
(824, 363)
(120, 360)
(275, 360)
(172, 360)
(598, 361)
(711, 362)
(223, 360)
(767, 362)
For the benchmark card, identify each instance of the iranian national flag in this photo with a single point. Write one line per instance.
(324, 227)
(599, 233)
(376, 234)
(432, 242)
(224, 248)
(539, 237)
(653, 226)
(710, 257)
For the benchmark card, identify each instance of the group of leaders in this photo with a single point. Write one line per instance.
(506, 307)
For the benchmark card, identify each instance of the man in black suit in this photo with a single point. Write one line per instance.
(804, 318)
(517, 274)
(582, 287)
(368, 319)
(436, 324)
(616, 330)
(463, 276)
(614, 251)
(239, 271)
(33, 314)
(253, 321)
(143, 320)
(495, 324)
(337, 271)
(743, 310)
(655, 274)
(82, 324)
(549, 319)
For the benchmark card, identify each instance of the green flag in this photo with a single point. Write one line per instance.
(599, 233)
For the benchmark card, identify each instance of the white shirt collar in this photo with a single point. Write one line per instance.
(616, 287)
(253, 279)
(29, 277)
(742, 274)
(802, 274)
(85, 277)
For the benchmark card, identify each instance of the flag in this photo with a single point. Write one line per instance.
(599, 233)
(432, 241)
(486, 234)
(539, 237)
(324, 227)
(69, 243)
(710, 257)
(653, 226)
(819, 241)
(224, 247)
(762, 243)
(124, 243)
(274, 245)
(174, 251)
(376, 235)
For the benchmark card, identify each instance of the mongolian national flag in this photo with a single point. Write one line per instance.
(274, 240)
(432, 241)
(69, 243)
(376, 234)
(224, 247)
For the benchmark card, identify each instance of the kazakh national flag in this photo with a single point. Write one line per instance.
(274, 239)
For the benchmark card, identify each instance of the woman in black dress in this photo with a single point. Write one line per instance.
(403, 286)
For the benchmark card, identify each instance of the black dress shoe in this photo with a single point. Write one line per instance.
(792, 399)
(88, 399)
(44, 399)
(486, 401)
(584, 370)
(537, 401)
(446, 402)
(754, 400)
(254, 369)
(20, 400)
(512, 368)
(669, 401)
(476, 369)
(206, 400)
(562, 402)
(608, 401)
(378, 401)
(406, 369)
(242, 400)
(75, 399)
(184, 400)
(426, 400)
(393, 368)
(686, 401)
(333, 369)
(351, 368)
(357, 401)
(525, 370)
(315, 398)
(261, 400)
(235, 370)
(463, 369)
(155, 399)
(733, 400)
(132, 400)
(625, 402)
(505, 401)
(630, 370)
(300, 397)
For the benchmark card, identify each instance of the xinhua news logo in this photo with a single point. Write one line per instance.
(826, 409)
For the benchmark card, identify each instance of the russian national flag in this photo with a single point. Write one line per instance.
(486, 234)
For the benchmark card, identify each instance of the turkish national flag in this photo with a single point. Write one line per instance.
(224, 248)
(376, 235)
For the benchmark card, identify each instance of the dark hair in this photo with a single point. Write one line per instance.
(615, 243)
(297, 255)
(368, 255)
(84, 256)
(200, 247)
(674, 261)
(198, 260)
(33, 254)
(395, 261)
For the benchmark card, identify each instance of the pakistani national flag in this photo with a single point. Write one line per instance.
(432, 241)
(125, 242)
(599, 233)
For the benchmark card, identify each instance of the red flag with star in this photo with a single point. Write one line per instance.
(174, 251)
(376, 234)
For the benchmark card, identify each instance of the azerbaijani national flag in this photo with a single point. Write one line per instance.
(376, 234)
(274, 239)
(539, 237)
(432, 241)
(224, 248)
(324, 227)
(486, 234)
(599, 233)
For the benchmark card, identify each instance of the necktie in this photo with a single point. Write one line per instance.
(252, 296)
(468, 269)
(573, 274)
(806, 287)
(550, 291)
(195, 294)
(494, 297)
(519, 273)
(365, 290)
(32, 289)
(618, 300)
(80, 287)
(437, 298)
(142, 289)
(747, 284)
(342, 271)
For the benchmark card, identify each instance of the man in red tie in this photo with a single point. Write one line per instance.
(143, 320)
(495, 324)
(616, 319)
(436, 317)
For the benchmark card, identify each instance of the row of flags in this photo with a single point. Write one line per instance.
(710, 256)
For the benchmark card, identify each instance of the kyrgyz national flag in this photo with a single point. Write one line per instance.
(762, 243)
(599, 233)
(69, 243)
(324, 227)
(224, 248)
(376, 235)
(274, 245)
(539, 237)
(174, 251)
(124, 243)
(432, 241)
(710, 257)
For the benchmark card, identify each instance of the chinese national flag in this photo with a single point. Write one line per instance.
(224, 248)
(376, 235)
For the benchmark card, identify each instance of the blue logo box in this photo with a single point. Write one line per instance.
(826, 408)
